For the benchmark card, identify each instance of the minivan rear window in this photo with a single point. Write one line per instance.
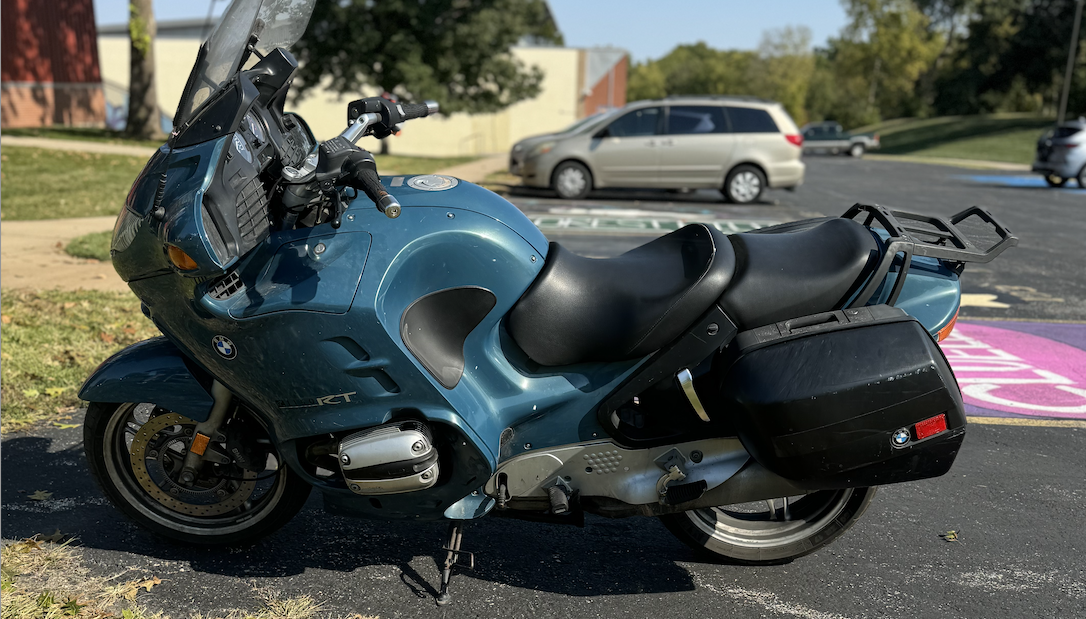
(751, 120)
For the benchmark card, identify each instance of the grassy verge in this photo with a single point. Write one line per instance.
(51, 341)
(418, 165)
(94, 245)
(41, 579)
(1009, 138)
(84, 134)
(51, 184)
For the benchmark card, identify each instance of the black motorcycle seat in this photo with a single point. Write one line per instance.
(591, 309)
(792, 274)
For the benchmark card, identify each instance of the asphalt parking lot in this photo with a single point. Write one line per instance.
(1016, 496)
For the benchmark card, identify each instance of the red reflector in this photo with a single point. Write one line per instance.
(930, 427)
(795, 138)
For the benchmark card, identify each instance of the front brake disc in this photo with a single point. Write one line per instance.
(154, 447)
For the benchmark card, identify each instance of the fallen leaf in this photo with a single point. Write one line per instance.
(129, 330)
(40, 495)
(949, 536)
(107, 338)
(69, 305)
(65, 426)
(31, 393)
(60, 245)
(55, 391)
(100, 276)
(150, 582)
(4, 318)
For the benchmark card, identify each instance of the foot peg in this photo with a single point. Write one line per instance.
(686, 381)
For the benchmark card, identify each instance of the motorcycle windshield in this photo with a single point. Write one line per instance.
(275, 23)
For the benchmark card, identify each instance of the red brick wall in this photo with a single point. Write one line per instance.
(49, 64)
(614, 83)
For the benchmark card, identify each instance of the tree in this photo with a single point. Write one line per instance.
(782, 71)
(143, 116)
(456, 52)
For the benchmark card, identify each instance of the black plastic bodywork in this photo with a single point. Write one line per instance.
(435, 326)
(817, 399)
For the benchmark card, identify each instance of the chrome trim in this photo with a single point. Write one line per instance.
(432, 106)
(686, 381)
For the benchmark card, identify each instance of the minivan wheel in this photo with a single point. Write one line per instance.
(1082, 178)
(744, 184)
(1055, 180)
(856, 150)
(571, 180)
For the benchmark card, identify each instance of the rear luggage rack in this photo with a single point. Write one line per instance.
(910, 234)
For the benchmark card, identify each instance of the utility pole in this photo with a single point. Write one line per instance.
(1070, 63)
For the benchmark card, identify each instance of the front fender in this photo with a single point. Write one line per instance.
(154, 371)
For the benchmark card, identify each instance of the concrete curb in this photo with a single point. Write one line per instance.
(100, 148)
(973, 164)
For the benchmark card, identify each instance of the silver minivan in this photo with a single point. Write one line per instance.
(739, 145)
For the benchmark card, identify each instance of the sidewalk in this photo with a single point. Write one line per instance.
(85, 146)
(32, 256)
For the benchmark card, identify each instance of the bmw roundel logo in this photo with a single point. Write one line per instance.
(901, 437)
(224, 347)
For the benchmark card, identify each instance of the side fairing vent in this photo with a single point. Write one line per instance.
(225, 286)
(252, 209)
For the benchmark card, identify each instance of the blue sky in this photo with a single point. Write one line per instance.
(646, 28)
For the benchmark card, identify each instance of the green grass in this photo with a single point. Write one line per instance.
(418, 165)
(1010, 138)
(51, 341)
(94, 245)
(80, 133)
(51, 184)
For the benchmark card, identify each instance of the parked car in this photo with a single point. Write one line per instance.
(739, 145)
(830, 136)
(1061, 154)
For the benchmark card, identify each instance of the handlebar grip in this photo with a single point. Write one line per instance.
(418, 110)
(362, 174)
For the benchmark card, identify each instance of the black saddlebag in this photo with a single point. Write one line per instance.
(859, 397)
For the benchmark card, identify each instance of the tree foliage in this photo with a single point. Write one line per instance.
(893, 58)
(456, 52)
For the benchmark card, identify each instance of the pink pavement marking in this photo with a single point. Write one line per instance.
(1010, 372)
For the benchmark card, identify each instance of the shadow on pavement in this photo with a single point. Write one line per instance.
(554, 558)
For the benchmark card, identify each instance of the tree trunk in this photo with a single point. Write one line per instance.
(143, 115)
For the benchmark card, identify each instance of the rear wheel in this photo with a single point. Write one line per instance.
(571, 180)
(856, 150)
(744, 184)
(770, 532)
(1055, 180)
(136, 451)
(1082, 178)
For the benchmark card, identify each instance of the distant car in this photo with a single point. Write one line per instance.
(739, 145)
(830, 136)
(1061, 154)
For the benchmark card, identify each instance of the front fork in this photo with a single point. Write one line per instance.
(206, 431)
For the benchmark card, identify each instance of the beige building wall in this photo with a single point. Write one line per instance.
(557, 106)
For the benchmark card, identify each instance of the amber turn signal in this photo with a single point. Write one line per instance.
(945, 331)
(180, 259)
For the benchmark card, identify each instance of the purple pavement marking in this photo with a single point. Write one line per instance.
(1020, 369)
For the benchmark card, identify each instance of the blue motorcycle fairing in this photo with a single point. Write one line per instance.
(155, 371)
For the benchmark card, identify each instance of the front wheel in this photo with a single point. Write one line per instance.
(770, 532)
(136, 452)
(571, 180)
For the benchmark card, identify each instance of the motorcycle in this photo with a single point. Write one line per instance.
(414, 348)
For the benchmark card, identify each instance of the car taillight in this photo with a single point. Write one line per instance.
(795, 138)
(1069, 145)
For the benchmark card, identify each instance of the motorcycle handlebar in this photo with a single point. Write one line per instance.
(418, 110)
(362, 174)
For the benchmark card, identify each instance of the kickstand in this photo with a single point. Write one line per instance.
(452, 558)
